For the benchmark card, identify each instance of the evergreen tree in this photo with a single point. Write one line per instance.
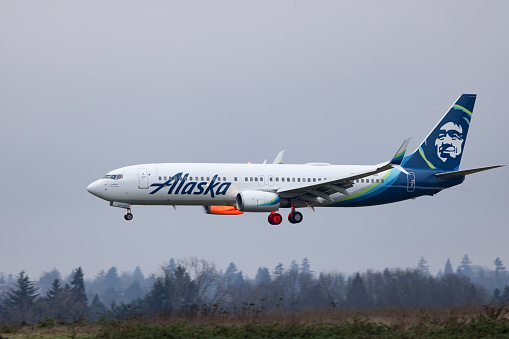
(495, 298)
(97, 309)
(20, 300)
(305, 267)
(262, 276)
(500, 271)
(133, 292)
(465, 267)
(78, 286)
(357, 296)
(279, 271)
(112, 279)
(172, 266)
(423, 267)
(48, 278)
(54, 291)
(448, 268)
(138, 276)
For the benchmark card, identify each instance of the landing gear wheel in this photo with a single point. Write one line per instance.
(295, 217)
(128, 216)
(275, 218)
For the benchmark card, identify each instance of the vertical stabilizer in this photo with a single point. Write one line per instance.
(444, 145)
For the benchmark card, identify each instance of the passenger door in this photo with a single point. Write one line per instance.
(143, 178)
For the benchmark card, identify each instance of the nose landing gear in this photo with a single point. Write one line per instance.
(128, 216)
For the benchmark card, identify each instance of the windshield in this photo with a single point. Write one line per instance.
(113, 176)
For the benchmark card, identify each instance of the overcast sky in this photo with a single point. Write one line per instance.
(90, 86)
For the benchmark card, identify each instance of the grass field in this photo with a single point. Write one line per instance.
(461, 322)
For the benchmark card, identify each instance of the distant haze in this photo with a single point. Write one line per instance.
(87, 87)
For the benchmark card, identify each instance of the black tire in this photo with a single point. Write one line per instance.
(128, 216)
(295, 217)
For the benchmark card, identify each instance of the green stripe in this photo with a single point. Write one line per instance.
(424, 157)
(367, 189)
(463, 109)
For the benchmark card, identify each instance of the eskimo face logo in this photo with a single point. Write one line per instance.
(449, 143)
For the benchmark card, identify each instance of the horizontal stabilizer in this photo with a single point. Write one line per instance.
(454, 174)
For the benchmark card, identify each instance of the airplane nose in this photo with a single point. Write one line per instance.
(95, 188)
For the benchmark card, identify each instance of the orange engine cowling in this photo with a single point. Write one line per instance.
(223, 210)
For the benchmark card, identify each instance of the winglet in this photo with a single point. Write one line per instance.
(279, 158)
(400, 154)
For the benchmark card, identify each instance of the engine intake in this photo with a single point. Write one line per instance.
(257, 201)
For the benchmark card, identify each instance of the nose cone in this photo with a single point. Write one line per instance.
(95, 188)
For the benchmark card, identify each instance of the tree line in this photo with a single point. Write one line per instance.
(195, 288)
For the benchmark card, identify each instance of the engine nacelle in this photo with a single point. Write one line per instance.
(257, 201)
(222, 210)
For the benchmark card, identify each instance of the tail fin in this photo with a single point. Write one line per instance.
(443, 147)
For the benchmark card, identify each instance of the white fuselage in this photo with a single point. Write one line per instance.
(213, 184)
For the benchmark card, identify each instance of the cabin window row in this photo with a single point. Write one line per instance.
(368, 181)
(283, 179)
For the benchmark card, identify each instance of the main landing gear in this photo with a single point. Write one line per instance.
(275, 218)
(294, 217)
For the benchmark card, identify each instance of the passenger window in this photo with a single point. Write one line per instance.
(261, 178)
(314, 179)
(160, 178)
(271, 179)
(283, 179)
(362, 180)
(309, 180)
(224, 178)
(372, 181)
(218, 178)
(256, 179)
(377, 181)
(382, 181)
(277, 179)
(246, 179)
(251, 179)
(298, 179)
(201, 178)
(208, 178)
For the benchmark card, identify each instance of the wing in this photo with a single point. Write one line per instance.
(324, 189)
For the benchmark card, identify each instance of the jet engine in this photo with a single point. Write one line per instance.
(257, 201)
(223, 210)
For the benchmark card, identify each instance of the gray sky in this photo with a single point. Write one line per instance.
(90, 86)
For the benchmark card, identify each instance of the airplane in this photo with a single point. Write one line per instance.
(232, 189)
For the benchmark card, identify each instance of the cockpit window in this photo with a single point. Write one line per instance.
(113, 176)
